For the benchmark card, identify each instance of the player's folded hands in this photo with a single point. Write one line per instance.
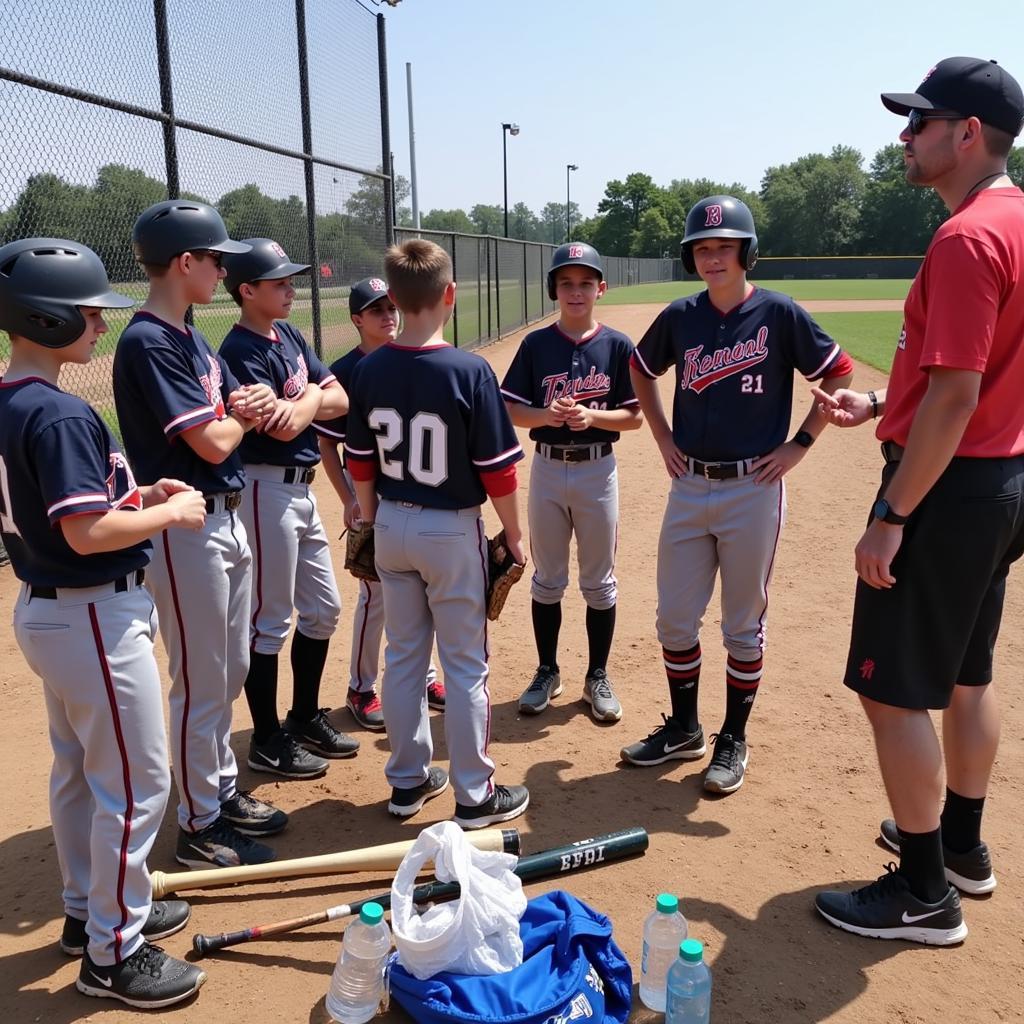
(280, 417)
(253, 401)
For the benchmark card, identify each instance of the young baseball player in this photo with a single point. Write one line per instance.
(734, 347)
(569, 384)
(375, 317)
(77, 528)
(183, 415)
(427, 429)
(292, 559)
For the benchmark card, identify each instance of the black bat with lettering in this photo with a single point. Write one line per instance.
(561, 860)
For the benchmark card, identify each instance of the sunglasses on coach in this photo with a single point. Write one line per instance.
(917, 119)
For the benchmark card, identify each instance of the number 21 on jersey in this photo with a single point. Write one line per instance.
(427, 447)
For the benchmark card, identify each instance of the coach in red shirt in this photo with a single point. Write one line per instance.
(949, 518)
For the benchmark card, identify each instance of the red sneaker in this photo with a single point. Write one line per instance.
(436, 695)
(365, 708)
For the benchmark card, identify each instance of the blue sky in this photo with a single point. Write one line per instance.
(670, 87)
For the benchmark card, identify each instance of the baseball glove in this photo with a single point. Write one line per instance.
(503, 572)
(359, 553)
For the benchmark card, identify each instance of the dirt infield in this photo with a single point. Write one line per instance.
(746, 867)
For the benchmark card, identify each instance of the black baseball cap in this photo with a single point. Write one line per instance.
(969, 86)
(365, 293)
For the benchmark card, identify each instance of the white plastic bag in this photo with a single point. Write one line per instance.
(476, 934)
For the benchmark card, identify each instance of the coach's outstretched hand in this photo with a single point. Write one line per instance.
(845, 408)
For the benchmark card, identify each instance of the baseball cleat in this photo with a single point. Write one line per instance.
(406, 802)
(320, 737)
(282, 755)
(365, 708)
(148, 979)
(219, 846)
(506, 803)
(253, 817)
(887, 909)
(545, 684)
(166, 917)
(598, 693)
(668, 742)
(970, 872)
(728, 764)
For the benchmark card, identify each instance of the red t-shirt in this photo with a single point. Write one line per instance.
(965, 311)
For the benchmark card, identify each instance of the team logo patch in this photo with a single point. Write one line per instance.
(867, 669)
(378, 285)
(928, 74)
(122, 490)
(579, 1007)
(902, 342)
(713, 216)
(295, 385)
(575, 252)
(278, 251)
(211, 383)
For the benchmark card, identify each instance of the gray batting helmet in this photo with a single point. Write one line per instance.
(175, 226)
(265, 261)
(720, 217)
(577, 254)
(43, 281)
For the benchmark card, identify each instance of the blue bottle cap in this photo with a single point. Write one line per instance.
(372, 913)
(691, 951)
(667, 903)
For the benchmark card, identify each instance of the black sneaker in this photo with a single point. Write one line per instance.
(219, 846)
(668, 742)
(253, 817)
(546, 683)
(165, 918)
(506, 803)
(149, 979)
(887, 909)
(728, 764)
(970, 872)
(405, 802)
(320, 736)
(281, 755)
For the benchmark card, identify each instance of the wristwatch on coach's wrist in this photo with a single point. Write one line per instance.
(883, 510)
(804, 438)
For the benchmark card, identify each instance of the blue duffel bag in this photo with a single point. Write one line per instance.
(571, 970)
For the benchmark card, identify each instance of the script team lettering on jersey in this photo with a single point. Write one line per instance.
(700, 372)
(582, 389)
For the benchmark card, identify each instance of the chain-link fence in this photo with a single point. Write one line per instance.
(276, 113)
(502, 284)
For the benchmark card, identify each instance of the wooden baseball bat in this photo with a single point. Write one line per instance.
(368, 858)
(561, 860)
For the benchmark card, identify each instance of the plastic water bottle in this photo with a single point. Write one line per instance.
(357, 985)
(664, 929)
(689, 987)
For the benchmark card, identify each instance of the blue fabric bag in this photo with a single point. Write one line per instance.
(571, 970)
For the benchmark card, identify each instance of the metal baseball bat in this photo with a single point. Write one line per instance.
(369, 858)
(561, 860)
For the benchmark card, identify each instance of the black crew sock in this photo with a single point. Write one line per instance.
(547, 621)
(683, 671)
(261, 696)
(742, 678)
(600, 630)
(921, 863)
(308, 659)
(961, 822)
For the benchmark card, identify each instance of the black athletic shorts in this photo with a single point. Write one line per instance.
(937, 626)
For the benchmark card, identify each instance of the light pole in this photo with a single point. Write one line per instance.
(568, 205)
(506, 130)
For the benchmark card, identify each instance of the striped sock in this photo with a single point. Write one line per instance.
(742, 678)
(683, 671)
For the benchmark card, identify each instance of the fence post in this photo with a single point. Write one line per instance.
(479, 296)
(455, 311)
(526, 300)
(488, 248)
(307, 164)
(497, 287)
(385, 133)
(163, 62)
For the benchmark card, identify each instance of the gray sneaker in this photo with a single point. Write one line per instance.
(536, 697)
(728, 764)
(598, 693)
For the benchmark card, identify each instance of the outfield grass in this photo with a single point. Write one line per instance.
(665, 292)
(868, 337)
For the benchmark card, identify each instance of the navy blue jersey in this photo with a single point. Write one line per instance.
(57, 460)
(595, 372)
(167, 381)
(287, 365)
(734, 371)
(432, 420)
(342, 369)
